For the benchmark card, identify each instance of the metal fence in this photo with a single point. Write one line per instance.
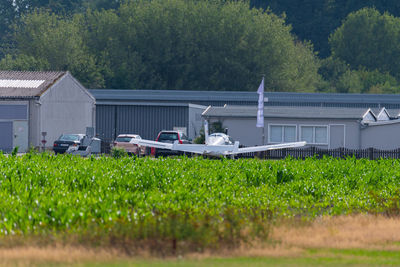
(106, 145)
(368, 153)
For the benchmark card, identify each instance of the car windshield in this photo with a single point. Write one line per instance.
(168, 137)
(69, 137)
(124, 139)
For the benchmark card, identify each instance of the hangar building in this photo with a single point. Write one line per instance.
(146, 112)
(33, 104)
(322, 127)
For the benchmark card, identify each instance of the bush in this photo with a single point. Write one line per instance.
(117, 152)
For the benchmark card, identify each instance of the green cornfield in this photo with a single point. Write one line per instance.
(184, 202)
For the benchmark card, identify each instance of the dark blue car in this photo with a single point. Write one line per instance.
(65, 141)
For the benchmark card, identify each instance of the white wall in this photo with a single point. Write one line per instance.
(384, 136)
(245, 131)
(34, 123)
(66, 107)
(195, 120)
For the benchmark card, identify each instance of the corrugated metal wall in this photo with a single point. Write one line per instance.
(146, 121)
(105, 121)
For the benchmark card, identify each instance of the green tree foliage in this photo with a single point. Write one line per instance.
(209, 45)
(7, 14)
(7, 18)
(101, 4)
(23, 62)
(50, 42)
(55, 6)
(340, 77)
(172, 44)
(17, 8)
(367, 42)
(365, 54)
(315, 20)
(12, 10)
(370, 39)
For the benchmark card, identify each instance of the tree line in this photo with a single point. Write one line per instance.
(316, 20)
(204, 44)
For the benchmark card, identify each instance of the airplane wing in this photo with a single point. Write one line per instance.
(204, 149)
(268, 147)
(214, 149)
(150, 143)
(192, 148)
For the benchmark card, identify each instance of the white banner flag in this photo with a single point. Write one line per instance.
(260, 111)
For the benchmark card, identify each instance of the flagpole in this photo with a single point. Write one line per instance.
(260, 109)
(263, 128)
(263, 135)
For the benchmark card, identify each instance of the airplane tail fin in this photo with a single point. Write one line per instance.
(206, 131)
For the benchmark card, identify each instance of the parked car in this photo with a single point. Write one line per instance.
(124, 141)
(170, 137)
(65, 141)
(88, 146)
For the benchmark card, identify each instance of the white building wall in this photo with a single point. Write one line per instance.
(34, 123)
(66, 107)
(245, 131)
(384, 136)
(195, 120)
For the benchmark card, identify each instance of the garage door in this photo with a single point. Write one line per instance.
(6, 139)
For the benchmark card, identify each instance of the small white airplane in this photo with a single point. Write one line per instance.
(216, 145)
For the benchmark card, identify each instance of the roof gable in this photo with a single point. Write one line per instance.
(383, 115)
(369, 116)
(27, 84)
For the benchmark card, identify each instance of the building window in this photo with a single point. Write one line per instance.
(282, 133)
(314, 134)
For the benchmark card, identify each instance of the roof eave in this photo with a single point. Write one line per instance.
(18, 97)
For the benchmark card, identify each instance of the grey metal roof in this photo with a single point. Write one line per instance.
(287, 112)
(26, 84)
(171, 95)
(240, 96)
(333, 97)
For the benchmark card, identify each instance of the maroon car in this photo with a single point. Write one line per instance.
(169, 137)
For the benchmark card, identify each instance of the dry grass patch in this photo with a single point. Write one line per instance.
(355, 231)
(293, 238)
(28, 256)
(289, 238)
